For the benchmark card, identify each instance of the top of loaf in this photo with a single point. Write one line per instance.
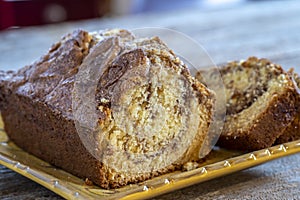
(50, 79)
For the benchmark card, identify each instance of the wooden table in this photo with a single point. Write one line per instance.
(264, 29)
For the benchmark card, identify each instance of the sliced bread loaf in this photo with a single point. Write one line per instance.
(152, 116)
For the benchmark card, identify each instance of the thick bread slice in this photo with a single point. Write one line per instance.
(261, 100)
(148, 106)
(292, 132)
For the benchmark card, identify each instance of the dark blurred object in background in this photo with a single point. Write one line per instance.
(37, 12)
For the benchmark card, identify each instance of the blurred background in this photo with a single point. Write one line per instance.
(19, 13)
(227, 29)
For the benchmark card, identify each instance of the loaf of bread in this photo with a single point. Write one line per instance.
(260, 103)
(152, 116)
(292, 132)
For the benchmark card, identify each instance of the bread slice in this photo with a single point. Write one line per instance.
(152, 116)
(292, 132)
(260, 103)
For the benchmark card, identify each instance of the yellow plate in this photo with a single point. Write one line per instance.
(219, 163)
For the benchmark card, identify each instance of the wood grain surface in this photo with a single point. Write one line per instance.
(268, 29)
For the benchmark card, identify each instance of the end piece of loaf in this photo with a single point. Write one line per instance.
(292, 132)
(146, 102)
(260, 102)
